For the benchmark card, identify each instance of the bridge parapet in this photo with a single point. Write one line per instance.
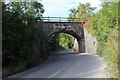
(60, 19)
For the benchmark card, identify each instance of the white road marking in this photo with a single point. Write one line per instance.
(54, 74)
(95, 55)
(83, 53)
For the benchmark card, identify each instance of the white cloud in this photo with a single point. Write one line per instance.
(61, 8)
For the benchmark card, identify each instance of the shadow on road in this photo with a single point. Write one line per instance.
(67, 64)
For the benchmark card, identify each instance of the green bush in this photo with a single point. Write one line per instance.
(104, 26)
(60, 41)
(19, 36)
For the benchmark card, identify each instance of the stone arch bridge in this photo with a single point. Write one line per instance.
(74, 27)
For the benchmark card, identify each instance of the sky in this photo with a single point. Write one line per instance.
(60, 8)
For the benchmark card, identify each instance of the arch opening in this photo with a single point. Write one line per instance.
(62, 40)
(66, 41)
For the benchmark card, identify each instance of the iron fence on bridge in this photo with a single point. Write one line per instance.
(60, 19)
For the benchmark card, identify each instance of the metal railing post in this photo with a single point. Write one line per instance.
(59, 19)
(48, 18)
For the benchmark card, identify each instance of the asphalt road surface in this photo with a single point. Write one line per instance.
(65, 64)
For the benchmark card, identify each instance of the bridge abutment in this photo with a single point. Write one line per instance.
(81, 44)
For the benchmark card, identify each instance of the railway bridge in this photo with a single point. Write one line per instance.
(74, 27)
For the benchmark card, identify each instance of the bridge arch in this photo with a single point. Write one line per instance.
(72, 33)
(73, 28)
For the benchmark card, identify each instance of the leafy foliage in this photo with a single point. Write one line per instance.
(60, 41)
(104, 26)
(104, 20)
(20, 30)
(66, 40)
(81, 11)
(53, 43)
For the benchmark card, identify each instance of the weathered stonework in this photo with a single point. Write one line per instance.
(73, 28)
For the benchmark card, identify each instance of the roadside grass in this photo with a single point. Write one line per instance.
(109, 51)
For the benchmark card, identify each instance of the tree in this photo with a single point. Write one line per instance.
(104, 25)
(19, 22)
(82, 11)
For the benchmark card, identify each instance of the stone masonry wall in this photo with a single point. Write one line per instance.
(91, 44)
